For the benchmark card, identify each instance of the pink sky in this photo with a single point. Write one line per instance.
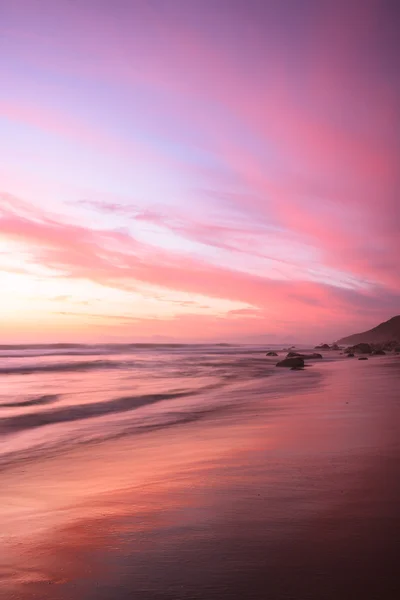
(194, 171)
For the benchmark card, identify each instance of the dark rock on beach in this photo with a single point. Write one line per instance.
(350, 355)
(295, 362)
(388, 346)
(363, 358)
(362, 348)
(304, 356)
(322, 347)
(373, 349)
(271, 354)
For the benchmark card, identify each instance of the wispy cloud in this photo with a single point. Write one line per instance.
(263, 172)
(118, 260)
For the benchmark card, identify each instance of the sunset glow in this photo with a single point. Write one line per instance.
(160, 182)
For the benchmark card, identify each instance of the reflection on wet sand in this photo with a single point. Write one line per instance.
(294, 497)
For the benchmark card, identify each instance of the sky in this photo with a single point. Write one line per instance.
(185, 170)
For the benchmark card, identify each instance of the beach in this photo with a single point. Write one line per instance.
(197, 473)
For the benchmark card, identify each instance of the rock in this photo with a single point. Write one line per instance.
(295, 362)
(363, 358)
(304, 356)
(322, 347)
(271, 354)
(362, 348)
(388, 346)
(378, 353)
(335, 347)
(350, 355)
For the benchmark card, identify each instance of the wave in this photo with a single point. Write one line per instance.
(26, 350)
(85, 411)
(66, 366)
(38, 346)
(38, 353)
(38, 401)
(62, 444)
(121, 345)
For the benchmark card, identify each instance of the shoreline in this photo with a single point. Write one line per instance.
(255, 478)
(210, 402)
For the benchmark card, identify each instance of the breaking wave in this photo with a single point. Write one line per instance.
(84, 411)
(64, 366)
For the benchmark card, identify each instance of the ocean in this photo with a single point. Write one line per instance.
(196, 472)
(91, 393)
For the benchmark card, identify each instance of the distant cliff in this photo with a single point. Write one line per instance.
(385, 332)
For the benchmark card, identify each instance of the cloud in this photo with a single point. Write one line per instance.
(229, 232)
(103, 317)
(114, 259)
(332, 182)
(244, 312)
(276, 158)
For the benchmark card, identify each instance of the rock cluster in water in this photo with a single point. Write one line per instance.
(327, 347)
(374, 349)
(295, 360)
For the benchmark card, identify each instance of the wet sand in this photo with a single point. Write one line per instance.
(280, 496)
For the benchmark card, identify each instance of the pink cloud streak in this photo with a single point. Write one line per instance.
(111, 258)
